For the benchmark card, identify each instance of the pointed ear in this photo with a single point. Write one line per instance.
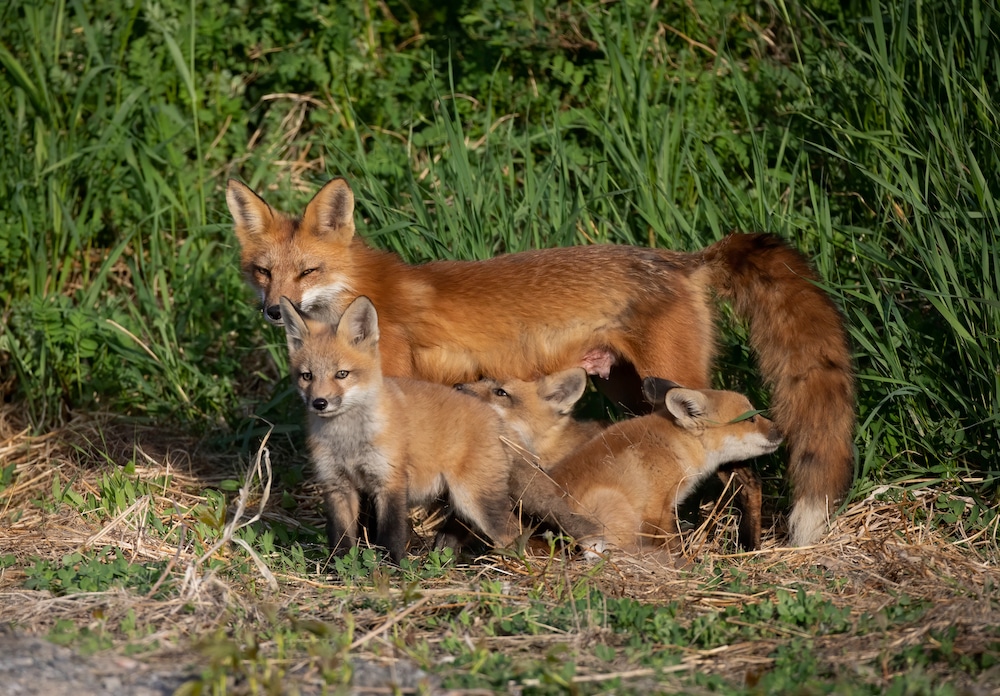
(251, 214)
(324, 312)
(563, 389)
(688, 407)
(296, 330)
(331, 212)
(654, 389)
(360, 322)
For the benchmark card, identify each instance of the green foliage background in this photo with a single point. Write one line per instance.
(865, 133)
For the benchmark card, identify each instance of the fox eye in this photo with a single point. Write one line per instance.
(260, 270)
(752, 419)
(341, 374)
(307, 272)
(306, 376)
(500, 392)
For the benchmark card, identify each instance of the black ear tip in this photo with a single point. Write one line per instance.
(654, 389)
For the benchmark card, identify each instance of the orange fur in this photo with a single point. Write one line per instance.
(401, 441)
(631, 477)
(538, 415)
(538, 312)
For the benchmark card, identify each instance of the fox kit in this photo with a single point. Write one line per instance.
(400, 441)
(539, 414)
(646, 311)
(631, 477)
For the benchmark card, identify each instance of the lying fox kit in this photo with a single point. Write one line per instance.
(631, 477)
(539, 414)
(400, 441)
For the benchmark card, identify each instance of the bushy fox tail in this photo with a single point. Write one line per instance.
(801, 345)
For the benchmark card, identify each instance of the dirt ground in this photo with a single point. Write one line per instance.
(889, 545)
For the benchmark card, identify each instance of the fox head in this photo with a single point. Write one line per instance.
(335, 362)
(728, 426)
(303, 259)
(537, 412)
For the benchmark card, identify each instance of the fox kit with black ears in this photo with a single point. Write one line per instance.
(631, 477)
(538, 414)
(400, 441)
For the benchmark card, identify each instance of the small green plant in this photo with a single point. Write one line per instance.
(78, 572)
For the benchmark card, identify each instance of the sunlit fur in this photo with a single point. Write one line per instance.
(538, 414)
(631, 477)
(539, 312)
(400, 441)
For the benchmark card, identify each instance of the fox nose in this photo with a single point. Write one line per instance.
(320, 404)
(774, 435)
(273, 313)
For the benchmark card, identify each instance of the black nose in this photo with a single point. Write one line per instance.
(319, 404)
(273, 313)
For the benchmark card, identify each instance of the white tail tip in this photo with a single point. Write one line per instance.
(808, 522)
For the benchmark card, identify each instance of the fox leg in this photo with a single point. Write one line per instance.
(392, 526)
(541, 497)
(749, 500)
(342, 508)
(487, 505)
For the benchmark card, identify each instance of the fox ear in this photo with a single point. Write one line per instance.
(688, 407)
(331, 212)
(250, 213)
(360, 321)
(654, 389)
(564, 388)
(296, 330)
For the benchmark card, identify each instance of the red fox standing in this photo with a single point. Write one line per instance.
(538, 312)
(403, 442)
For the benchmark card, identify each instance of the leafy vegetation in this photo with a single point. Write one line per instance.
(865, 133)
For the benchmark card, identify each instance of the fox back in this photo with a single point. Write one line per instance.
(631, 477)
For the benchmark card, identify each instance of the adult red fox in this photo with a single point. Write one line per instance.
(403, 442)
(630, 477)
(534, 313)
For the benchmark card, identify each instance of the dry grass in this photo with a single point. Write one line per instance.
(876, 553)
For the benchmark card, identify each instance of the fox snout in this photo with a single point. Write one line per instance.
(774, 435)
(273, 314)
(325, 407)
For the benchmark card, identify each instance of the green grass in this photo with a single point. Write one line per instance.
(865, 133)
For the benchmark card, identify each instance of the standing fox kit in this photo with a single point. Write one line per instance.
(400, 441)
(538, 312)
